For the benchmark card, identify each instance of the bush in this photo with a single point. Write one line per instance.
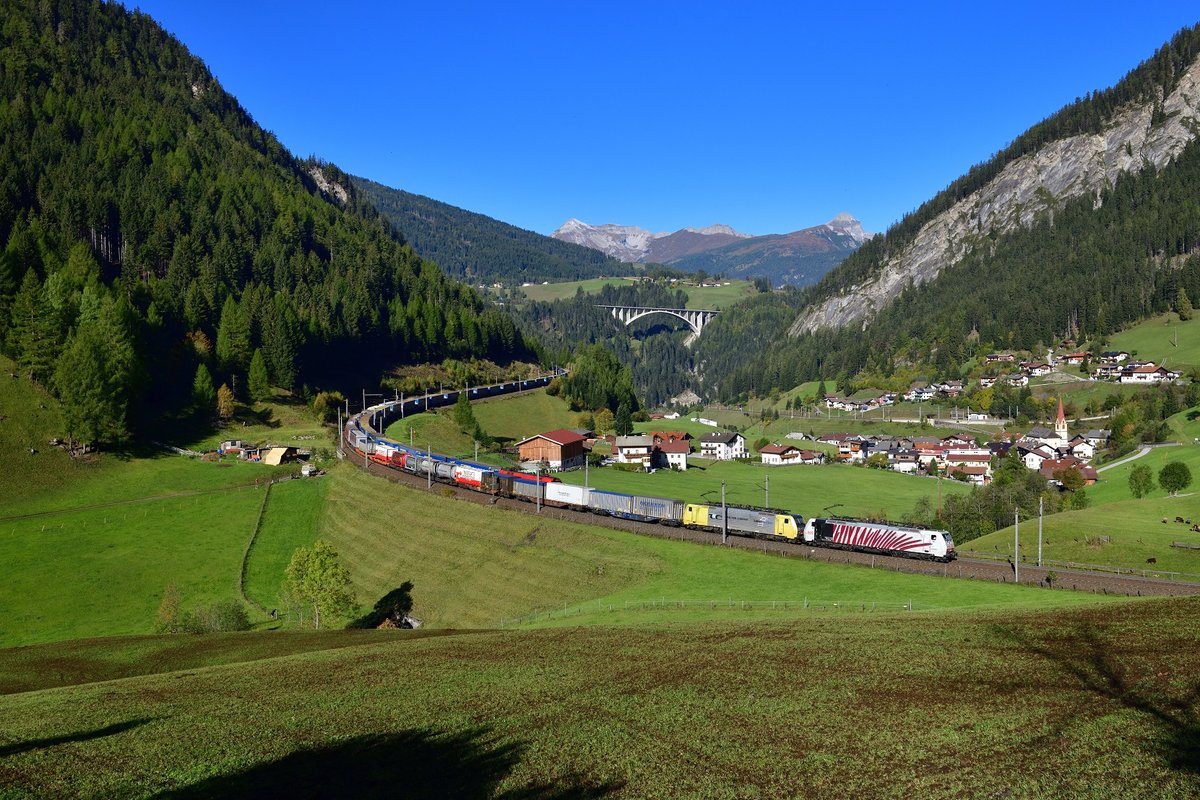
(224, 615)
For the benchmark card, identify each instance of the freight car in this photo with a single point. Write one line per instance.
(866, 536)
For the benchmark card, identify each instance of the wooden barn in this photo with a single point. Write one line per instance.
(561, 449)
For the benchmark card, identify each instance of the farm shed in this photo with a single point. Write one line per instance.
(561, 449)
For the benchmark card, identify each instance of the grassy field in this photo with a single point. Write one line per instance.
(549, 292)
(102, 571)
(511, 419)
(890, 706)
(1164, 340)
(285, 421)
(291, 520)
(29, 418)
(807, 490)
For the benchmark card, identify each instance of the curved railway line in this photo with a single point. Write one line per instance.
(966, 568)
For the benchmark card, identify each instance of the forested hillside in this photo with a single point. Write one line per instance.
(1082, 270)
(156, 238)
(653, 348)
(479, 249)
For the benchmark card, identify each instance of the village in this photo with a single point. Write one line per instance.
(961, 456)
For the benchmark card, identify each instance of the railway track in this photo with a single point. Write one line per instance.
(965, 568)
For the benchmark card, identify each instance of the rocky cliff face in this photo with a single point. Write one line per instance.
(1026, 188)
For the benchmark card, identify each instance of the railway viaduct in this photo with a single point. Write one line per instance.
(696, 318)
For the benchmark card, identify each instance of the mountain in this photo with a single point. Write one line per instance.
(799, 258)
(1085, 224)
(478, 249)
(157, 241)
(1146, 120)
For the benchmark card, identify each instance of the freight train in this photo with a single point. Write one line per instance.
(885, 538)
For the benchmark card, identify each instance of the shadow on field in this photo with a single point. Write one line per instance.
(410, 764)
(1093, 660)
(78, 736)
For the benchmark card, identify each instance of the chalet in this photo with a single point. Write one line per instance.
(978, 460)
(987, 381)
(634, 449)
(1037, 369)
(672, 454)
(812, 457)
(959, 440)
(723, 446)
(1051, 466)
(1082, 448)
(833, 438)
(1033, 453)
(1000, 358)
(779, 454)
(660, 437)
(1113, 356)
(1074, 358)
(1098, 437)
(561, 449)
(1147, 373)
(1018, 379)
(906, 461)
(950, 388)
(854, 448)
(1103, 371)
(979, 476)
(919, 394)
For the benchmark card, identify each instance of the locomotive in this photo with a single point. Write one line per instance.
(885, 538)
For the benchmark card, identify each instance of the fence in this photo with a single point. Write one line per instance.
(728, 604)
(1049, 563)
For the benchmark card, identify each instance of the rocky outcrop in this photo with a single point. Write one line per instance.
(1028, 187)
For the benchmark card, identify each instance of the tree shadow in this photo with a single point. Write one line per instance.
(409, 764)
(78, 736)
(1088, 659)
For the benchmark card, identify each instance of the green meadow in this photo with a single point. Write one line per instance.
(1164, 340)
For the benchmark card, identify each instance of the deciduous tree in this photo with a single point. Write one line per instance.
(318, 577)
(1175, 477)
(1141, 480)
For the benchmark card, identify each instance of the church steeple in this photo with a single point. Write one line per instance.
(1060, 423)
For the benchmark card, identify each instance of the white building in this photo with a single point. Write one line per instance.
(723, 446)
(633, 449)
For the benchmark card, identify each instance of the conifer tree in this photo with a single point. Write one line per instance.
(203, 392)
(1183, 305)
(258, 382)
(89, 385)
(233, 338)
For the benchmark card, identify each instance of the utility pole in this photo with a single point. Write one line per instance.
(767, 490)
(402, 405)
(428, 467)
(1040, 501)
(724, 516)
(537, 490)
(1017, 545)
(476, 450)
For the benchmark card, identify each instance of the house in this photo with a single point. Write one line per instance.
(1147, 373)
(1074, 358)
(659, 437)
(1018, 379)
(919, 394)
(959, 440)
(999, 358)
(672, 454)
(833, 438)
(1106, 371)
(906, 461)
(560, 449)
(1037, 369)
(780, 454)
(1113, 356)
(979, 476)
(1053, 465)
(723, 446)
(1081, 448)
(812, 457)
(950, 388)
(1033, 453)
(1098, 437)
(987, 381)
(977, 460)
(633, 449)
(854, 448)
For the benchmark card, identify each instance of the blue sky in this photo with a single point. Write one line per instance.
(768, 117)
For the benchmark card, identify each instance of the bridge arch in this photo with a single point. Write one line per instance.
(696, 318)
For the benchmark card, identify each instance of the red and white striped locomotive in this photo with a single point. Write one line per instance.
(880, 537)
